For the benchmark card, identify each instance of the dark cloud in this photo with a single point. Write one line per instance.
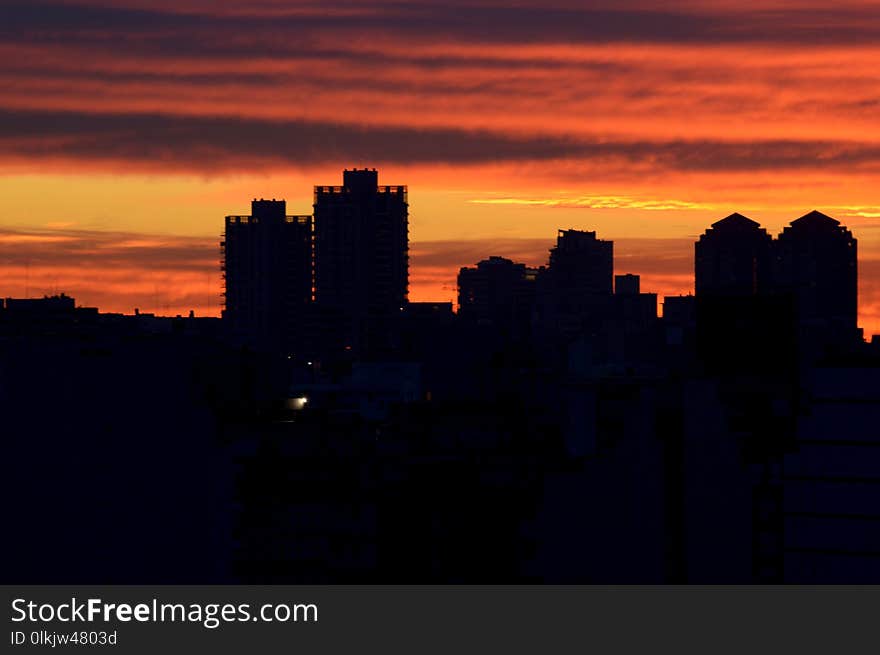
(300, 75)
(215, 31)
(230, 143)
(335, 39)
(63, 248)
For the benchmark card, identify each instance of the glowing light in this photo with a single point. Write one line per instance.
(297, 404)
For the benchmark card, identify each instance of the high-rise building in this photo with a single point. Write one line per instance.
(817, 264)
(575, 287)
(630, 328)
(267, 265)
(743, 325)
(497, 292)
(627, 285)
(361, 255)
(734, 257)
(636, 311)
(581, 264)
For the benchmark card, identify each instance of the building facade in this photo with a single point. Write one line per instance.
(497, 292)
(269, 274)
(816, 263)
(734, 258)
(575, 288)
(361, 255)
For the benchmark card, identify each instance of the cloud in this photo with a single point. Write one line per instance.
(523, 22)
(228, 143)
(615, 88)
(69, 247)
(860, 212)
(598, 202)
(222, 143)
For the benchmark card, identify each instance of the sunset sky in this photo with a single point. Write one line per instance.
(129, 128)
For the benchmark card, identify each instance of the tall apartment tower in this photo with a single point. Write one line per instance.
(816, 261)
(575, 288)
(361, 255)
(734, 257)
(743, 325)
(267, 266)
(581, 264)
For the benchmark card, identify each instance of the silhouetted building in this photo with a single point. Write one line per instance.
(627, 285)
(267, 264)
(621, 329)
(733, 258)
(361, 256)
(109, 402)
(47, 305)
(832, 481)
(679, 320)
(817, 264)
(575, 287)
(742, 326)
(437, 311)
(634, 313)
(582, 265)
(747, 335)
(680, 311)
(497, 292)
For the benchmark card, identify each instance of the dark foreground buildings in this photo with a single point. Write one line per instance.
(553, 429)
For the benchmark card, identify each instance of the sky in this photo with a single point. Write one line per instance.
(130, 128)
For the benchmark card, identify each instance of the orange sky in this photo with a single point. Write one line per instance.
(128, 129)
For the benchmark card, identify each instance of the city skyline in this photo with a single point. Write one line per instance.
(327, 430)
(519, 257)
(130, 128)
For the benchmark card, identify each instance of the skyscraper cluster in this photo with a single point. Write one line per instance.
(336, 282)
(571, 288)
(572, 296)
(332, 280)
(812, 265)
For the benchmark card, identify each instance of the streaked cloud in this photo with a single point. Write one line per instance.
(598, 202)
(861, 212)
(229, 144)
(599, 22)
